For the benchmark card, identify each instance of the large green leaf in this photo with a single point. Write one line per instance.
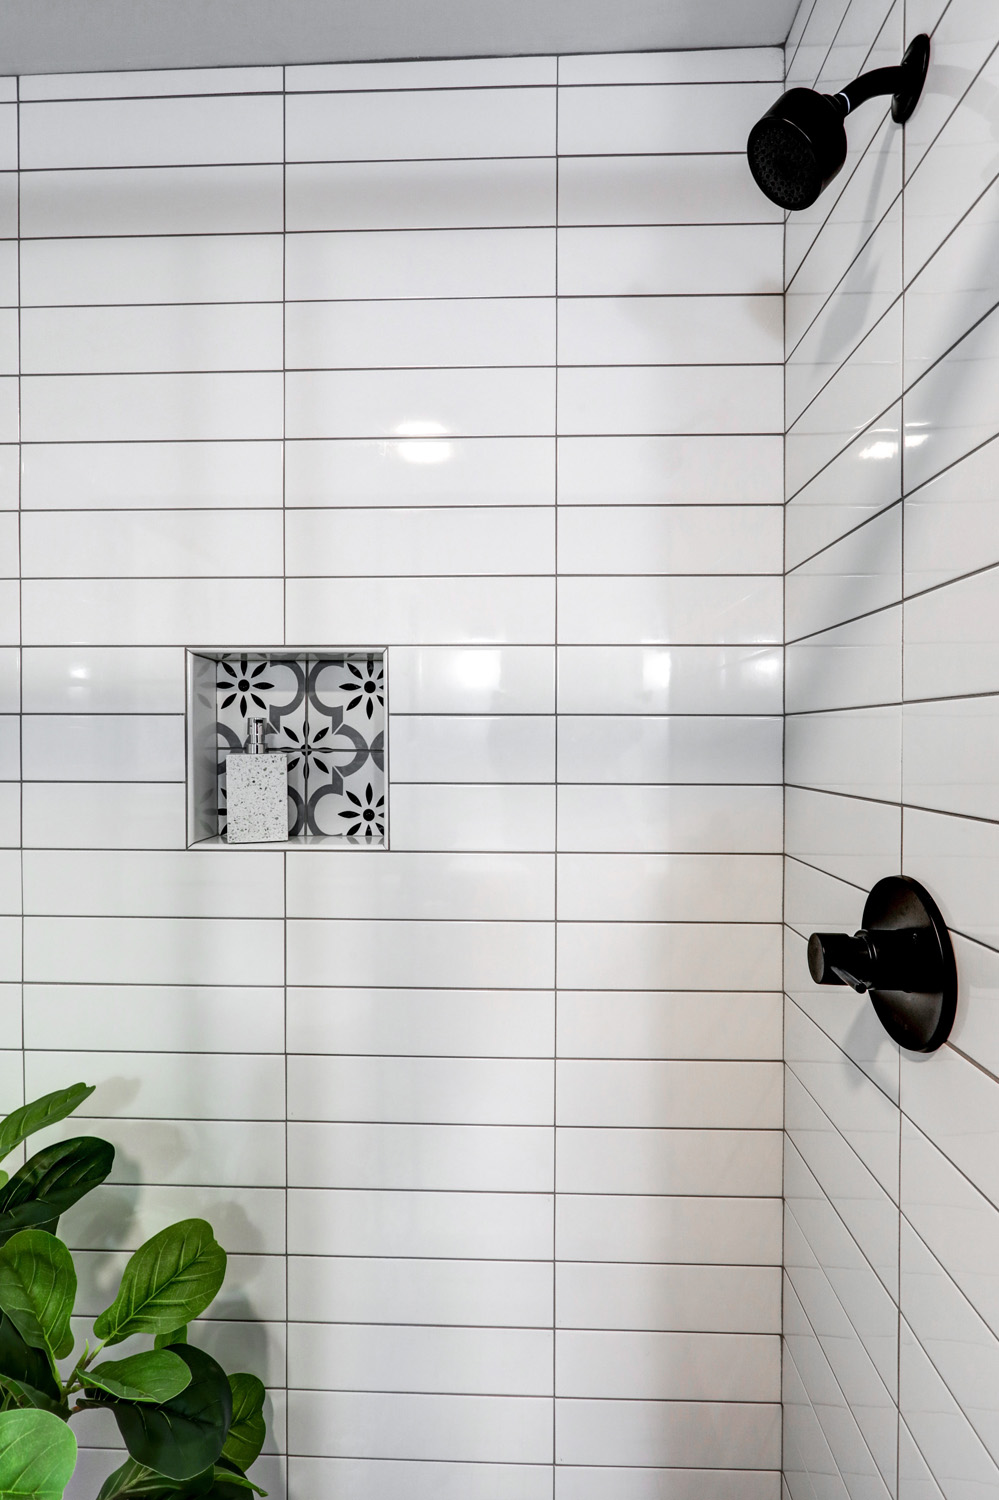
(50, 1182)
(135, 1482)
(48, 1110)
(37, 1455)
(154, 1375)
(248, 1428)
(25, 1370)
(169, 1280)
(175, 1336)
(183, 1436)
(230, 1478)
(38, 1289)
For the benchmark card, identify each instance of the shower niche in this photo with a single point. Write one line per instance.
(325, 711)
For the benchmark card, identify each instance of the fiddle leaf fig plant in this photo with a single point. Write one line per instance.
(191, 1431)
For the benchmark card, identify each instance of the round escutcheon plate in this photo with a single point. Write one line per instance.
(914, 67)
(919, 1020)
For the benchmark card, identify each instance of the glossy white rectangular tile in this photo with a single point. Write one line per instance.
(978, 990)
(152, 950)
(852, 577)
(726, 1435)
(156, 884)
(949, 525)
(686, 260)
(669, 680)
(658, 1024)
(404, 125)
(154, 1019)
(653, 1230)
(667, 1366)
(669, 399)
(140, 476)
(477, 1429)
(426, 1090)
(461, 541)
(684, 748)
(702, 539)
(853, 839)
(724, 64)
(460, 747)
(166, 611)
(701, 1299)
(151, 200)
(119, 340)
(459, 886)
(397, 195)
(472, 1225)
(681, 819)
(414, 1022)
(165, 1085)
(150, 132)
(503, 262)
(419, 1479)
(418, 612)
(574, 1483)
(464, 1361)
(669, 330)
(182, 545)
(438, 73)
(648, 189)
(473, 680)
(855, 751)
(668, 887)
(462, 955)
(739, 469)
(662, 1095)
(636, 118)
(401, 404)
(88, 680)
(461, 332)
(854, 665)
(103, 747)
(633, 955)
(348, 1289)
(415, 470)
(137, 84)
(67, 408)
(948, 638)
(428, 1158)
(698, 610)
(673, 1161)
(505, 817)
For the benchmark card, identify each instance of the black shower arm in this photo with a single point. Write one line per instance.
(869, 86)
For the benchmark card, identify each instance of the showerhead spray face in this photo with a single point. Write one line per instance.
(799, 145)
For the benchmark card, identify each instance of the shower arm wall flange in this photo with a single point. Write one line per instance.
(904, 83)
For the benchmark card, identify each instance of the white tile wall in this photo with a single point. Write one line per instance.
(890, 1311)
(492, 1120)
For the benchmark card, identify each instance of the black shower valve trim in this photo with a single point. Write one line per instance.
(902, 957)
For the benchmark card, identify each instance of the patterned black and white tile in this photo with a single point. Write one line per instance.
(327, 714)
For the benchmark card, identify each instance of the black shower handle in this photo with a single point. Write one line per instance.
(903, 958)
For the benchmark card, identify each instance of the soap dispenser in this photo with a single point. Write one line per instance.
(256, 791)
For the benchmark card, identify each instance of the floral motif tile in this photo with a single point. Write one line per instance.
(327, 714)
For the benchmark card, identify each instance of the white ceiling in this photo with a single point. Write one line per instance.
(72, 36)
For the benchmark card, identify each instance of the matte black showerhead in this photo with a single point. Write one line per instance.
(799, 145)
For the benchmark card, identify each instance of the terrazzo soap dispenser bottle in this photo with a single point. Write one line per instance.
(256, 791)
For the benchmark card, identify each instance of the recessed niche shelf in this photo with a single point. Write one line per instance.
(328, 710)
